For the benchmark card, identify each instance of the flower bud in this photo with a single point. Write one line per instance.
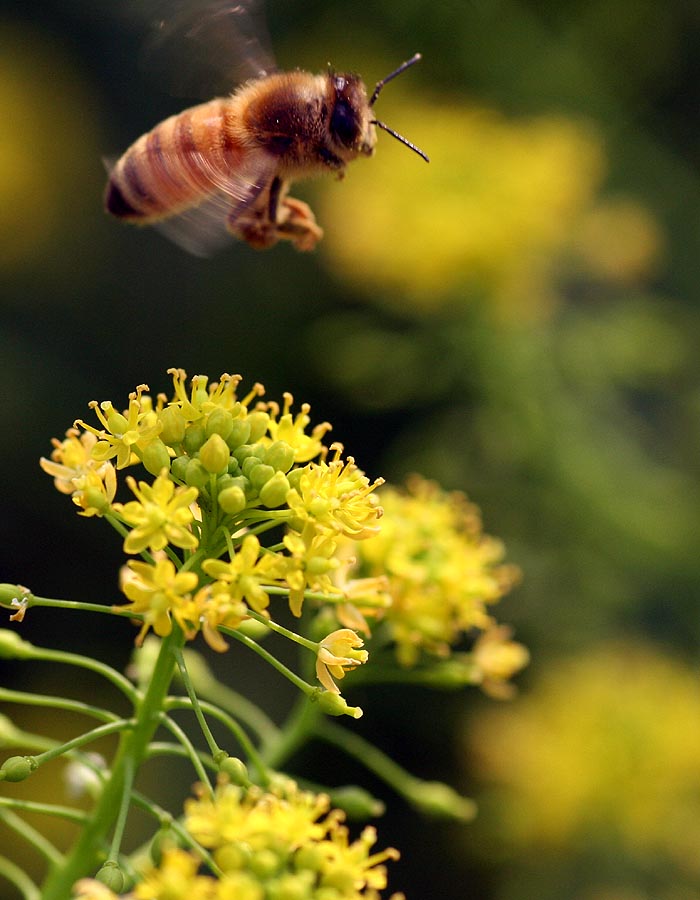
(12, 646)
(437, 799)
(258, 421)
(195, 436)
(232, 500)
(220, 422)
(10, 592)
(112, 876)
(357, 803)
(248, 451)
(235, 769)
(196, 475)
(274, 492)
(173, 425)
(155, 457)
(214, 455)
(178, 467)
(17, 768)
(259, 475)
(335, 705)
(280, 456)
(239, 434)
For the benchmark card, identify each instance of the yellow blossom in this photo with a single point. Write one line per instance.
(218, 604)
(161, 515)
(176, 878)
(246, 573)
(158, 593)
(443, 572)
(292, 429)
(496, 658)
(336, 653)
(337, 497)
(203, 398)
(121, 433)
(310, 565)
(75, 471)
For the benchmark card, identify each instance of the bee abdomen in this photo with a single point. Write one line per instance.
(175, 166)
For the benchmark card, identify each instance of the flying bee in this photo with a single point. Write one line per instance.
(224, 167)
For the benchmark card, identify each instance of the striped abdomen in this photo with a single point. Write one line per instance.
(177, 165)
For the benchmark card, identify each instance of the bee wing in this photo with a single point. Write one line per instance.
(203, 229)
(204, 47)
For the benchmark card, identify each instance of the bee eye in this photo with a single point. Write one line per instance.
(344, 123)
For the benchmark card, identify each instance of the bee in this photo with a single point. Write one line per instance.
(223, 168)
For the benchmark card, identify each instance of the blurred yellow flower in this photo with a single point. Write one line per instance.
(605, 747)
(442, 571)
(492, 214)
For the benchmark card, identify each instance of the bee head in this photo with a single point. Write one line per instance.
(349, 123)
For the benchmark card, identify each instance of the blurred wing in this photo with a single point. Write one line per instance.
(202, 229)
(203, 48)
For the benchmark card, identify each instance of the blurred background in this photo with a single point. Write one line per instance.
(519, 320)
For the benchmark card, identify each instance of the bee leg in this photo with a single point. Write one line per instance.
(297, 223)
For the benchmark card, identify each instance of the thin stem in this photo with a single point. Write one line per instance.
(123, 810)
(32, 836)
(189, 747)
(48, 809)
(63, 703)
(12, 873)
(268, 657)
(280, 629)
(300, 724)
(194, 700)
(87, 738)
(85, 662)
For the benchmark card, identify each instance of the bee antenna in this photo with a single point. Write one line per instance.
(392, 75)
(400, 137)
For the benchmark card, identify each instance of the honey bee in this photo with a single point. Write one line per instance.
(224, 167)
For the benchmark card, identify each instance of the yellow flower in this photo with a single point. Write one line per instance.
(443, 572)
(176, 878)
(496, 658)
(336, 653)
(75, 471)
(337, 497)
(310, 565)
(246, 573)
(218, 604)
(121, 433)
(160, 515)
(159, 592)
(292, 429)
(285, 837)
(204, 398)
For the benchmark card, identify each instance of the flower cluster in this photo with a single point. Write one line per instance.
(226, 471)
(280, 843)
(443, 574)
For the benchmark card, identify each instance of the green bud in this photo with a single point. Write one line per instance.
(437, 799)
(214, 455)
(234, 467)
(173, 425)
(335, 705)
(294, 477)
(235, 769)
(259, 475)
(356, 802)
(10, 592)
(258, 421)
(12, 646)
(195, 436)
(239, 434)
(116, 421)
(196, 475)
(17, 768)
(232, 500)
(233, 857)
(178, 467)
(250, 462)
(264, 863)
(280, 456)
(112, 876)
(156, 457)
(296, 886)
(274, 492)
(220, 422)
(309, 857)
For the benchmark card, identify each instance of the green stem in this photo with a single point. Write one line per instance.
(32, 836)
(302, 723)
(46, 809)
(85, 662)
(86, 854)
(268, 657)
(63, 703)
(12, 873)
